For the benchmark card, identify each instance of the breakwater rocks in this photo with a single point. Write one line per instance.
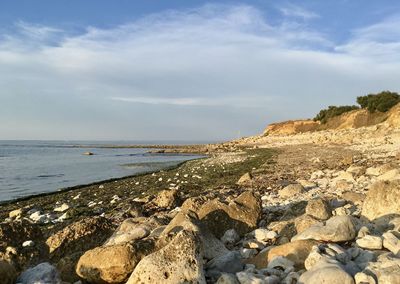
(307, 214)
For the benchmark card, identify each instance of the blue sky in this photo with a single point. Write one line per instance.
(191, 70)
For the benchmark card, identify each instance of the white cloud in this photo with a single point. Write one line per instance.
(229, 61)
(291, 10)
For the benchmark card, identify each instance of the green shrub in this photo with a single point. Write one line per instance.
(382, 101)
(333, 111)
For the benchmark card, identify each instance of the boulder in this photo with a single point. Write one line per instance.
(8, 275)
(391, 241)
(242, 214)
(80, 236)
(382, 200)
(385, 270)
(230, 262)
(230, 238)
(244, 179)
(296, 251)
(211, 246)
(304, 222)
(326, 272)
(336, 229)
(110, 264)
(178, 262)
(168, 198)
(319, 209)
(291, 190)
(43, 273)
(370, 242)
(227, 278)
(128, 231)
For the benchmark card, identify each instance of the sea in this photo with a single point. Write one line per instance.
(34, 167)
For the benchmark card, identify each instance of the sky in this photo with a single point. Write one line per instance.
(186, 70)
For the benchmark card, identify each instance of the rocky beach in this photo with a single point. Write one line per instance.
(287, 206)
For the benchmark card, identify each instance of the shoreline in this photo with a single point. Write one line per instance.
(79, 186)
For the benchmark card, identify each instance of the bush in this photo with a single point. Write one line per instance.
(382, 101)
(333, 111)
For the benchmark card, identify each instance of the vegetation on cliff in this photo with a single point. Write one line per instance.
(381, 102)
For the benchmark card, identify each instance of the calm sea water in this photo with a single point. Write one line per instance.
(33, 167)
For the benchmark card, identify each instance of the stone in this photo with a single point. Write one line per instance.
(250, 278)
(244, 179)
(230, 262)
(230, 237)
(370, 242)
(188, 220)
(280, 262)
(62, 208)
(296, 252)
(291, 190)
(326, 273)
(128, 231)
(178, 262)
(28, 243)
(227, 278)
(354, 197)
(390, 175)
(242, 214)
(391, 241)
(79, 236)
(15, 214)
(336, 229)
(8, 274)
(363, 278)
(263, 235)
(110, 264)
(319, 209)
(382, 200)
(43, 273)
(304, 222)
(385, 269)
(248, 252)
(167, 198)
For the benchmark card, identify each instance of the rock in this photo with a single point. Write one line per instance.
(128, 231)
(12, 236)
(304, 222)
(319, 209)
(248, 252)
(336, 229)
(8, 275)
(280, 262)
(167, 198)
(178, 262)
(385, 270)
(80, 236)
(296, 252)
(230, 262)
(242, 214)
(382, 200)
(39, 218)
(15, 214)
(354, 197)
(211, 246)
(263, 235)
(28, 243)
(62, 208)
(391, 241)
(230, 238)
(370, 242)
(43, 273)
(363, 278)
(326, 273)
(227, 278)
(111, 264)
(244, 179)
(291, 190)
(390, 175)
(250, 278)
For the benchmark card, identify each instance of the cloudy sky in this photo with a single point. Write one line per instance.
(186, 70)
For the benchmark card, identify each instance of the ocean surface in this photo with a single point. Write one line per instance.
(33, 167)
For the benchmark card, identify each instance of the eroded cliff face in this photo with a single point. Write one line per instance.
(292, 127)
(353, 119)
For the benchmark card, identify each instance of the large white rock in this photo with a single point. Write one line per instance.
(336, 229)
(180, 261)
(370, 242)
(326, 272)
